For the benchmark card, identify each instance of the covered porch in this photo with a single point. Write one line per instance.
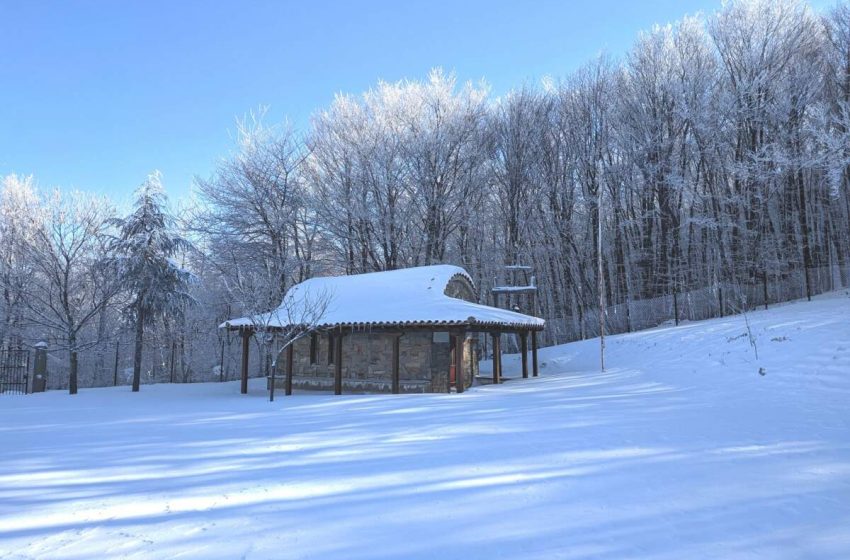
(458, 375)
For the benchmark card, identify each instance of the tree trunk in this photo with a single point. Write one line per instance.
(804, 228)
(72, 381)
(115, 370)
(137, 354)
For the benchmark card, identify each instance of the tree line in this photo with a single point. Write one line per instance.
(713, 159)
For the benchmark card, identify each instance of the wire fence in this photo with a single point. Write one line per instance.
(723, 298)
(211, 357)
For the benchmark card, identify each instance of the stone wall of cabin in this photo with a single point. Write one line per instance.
(367, 363)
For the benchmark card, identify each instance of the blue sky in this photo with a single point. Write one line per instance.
(95, 95)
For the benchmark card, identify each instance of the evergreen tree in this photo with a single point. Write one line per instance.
(145, 247)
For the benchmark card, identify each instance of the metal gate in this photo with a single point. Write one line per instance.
(14, 370)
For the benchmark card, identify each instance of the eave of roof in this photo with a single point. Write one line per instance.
(430, 325)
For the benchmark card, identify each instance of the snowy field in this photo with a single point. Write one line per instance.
(682, 449)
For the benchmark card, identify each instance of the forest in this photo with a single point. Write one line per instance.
(707, 169)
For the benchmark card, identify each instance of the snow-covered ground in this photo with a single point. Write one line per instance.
(682, 449)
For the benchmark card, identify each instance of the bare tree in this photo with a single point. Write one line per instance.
(73, 279)
(249, 211)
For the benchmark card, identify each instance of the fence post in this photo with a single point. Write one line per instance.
(39, 377)
(675, 308)
(115, 370)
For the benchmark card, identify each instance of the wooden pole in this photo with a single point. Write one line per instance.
(534, 370)
(246, 337)
(675, 307)
(497, 358)
(396, 365)
(290, 358)
(221, 375)
(459, 362)
(600, 281)
(171, 373)
(338, 365)
(523, 349)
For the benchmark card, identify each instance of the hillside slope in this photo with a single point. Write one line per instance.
(681, 449)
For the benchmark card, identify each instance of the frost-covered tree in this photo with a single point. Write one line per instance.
(19, 217)
(249, 213)
(145, 248)
(718, 146)
(394, 174)
(836, 128)
(73, 277)
(359, 181)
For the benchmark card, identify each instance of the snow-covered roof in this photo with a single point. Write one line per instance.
(406, 297)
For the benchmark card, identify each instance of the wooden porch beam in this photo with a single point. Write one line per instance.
(534, 370)
(246, 338)
(338, 365)
(497, 357)
(523, 350)
(459, 362)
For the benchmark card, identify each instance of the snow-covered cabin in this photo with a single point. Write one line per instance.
(409, 330)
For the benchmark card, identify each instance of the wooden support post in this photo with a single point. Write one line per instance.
(523, 349)
(497, 358)
(271, 381)
(290, 358)
(338, 365)
(459, 362)
(452, 342)
(473, 355)
(246, 337)
(501, 369)
(396, 365)
(534, 370)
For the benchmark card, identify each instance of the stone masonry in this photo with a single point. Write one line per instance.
(424, 358)
(367, 363)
